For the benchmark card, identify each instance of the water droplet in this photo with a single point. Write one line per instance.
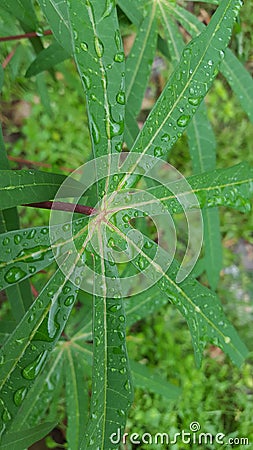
(35, 253)
(111, 242)
(115, 128)
(13, 275)
(115, 308)
(126, 218)
(19, 396)
(127, 385)
(31, 371)
(108, 8)
(2, 359)
(117, 38)
(148, 244)
(158, 152)
(141, 263)
(17, 239)
(122, 318)
(121, 412)
(84, 46)
(99, 47)
(86, 80)
(165, 137)
(69, 301)
(227, 339)
(44, 231)
(183, 120)
(121, 98)
(95, 131)
(31, 318)
(119, 57)
(194, 101)
(118, 147)
(6, 241)
(6, 415)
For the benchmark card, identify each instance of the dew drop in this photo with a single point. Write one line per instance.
(127, 385)
(13, 275)
(183, 120)
(121, 98)
(95, 131)
(111, 242)
(84, 46)
(227, 339)
(119, 57)
(117, 38)
(165, 137)
(6, 415)
(69, 301)
(99, 47)
(194, 101)
(158, 152)
(44, 231)
(31, 371)
(17, 239)
(86, 80)
(126, 218)
(2, 359)
(19, 396)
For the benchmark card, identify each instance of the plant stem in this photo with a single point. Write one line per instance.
(63, 206)
(33, 34)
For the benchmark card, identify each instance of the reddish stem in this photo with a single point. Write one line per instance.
(63, 206)
(7, 59)
(33, 34)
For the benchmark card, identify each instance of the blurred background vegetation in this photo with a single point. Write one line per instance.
(45, 127)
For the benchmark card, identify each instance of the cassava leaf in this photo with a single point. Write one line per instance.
(231, 187)
(47, 58)
(42, 395)
(100, 59)
(56, 12)
(25, 352)
(19, 296)
(25, 252)
(202, 146)
(76, 397)
(23, 10)
(111, 382)
(200, 306)
(236, 74)
(147, 379)
(188, 84)
(30, 186)
(139, 62)
(20, 440)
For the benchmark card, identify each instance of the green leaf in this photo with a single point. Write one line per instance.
(111, 382)
(188, 84)
(43, 395)
(20, 440)
(100, 60)
(148, 380)
(231, 187)
(200, 306)
(19, 296)
(25, 352)
(30, 186)
(25, 252)
(202, 148)
(76, 396)
(236, 74)
(47, 58)
(139, 62)
(56, 12)
(133, 10)
(23, 10)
